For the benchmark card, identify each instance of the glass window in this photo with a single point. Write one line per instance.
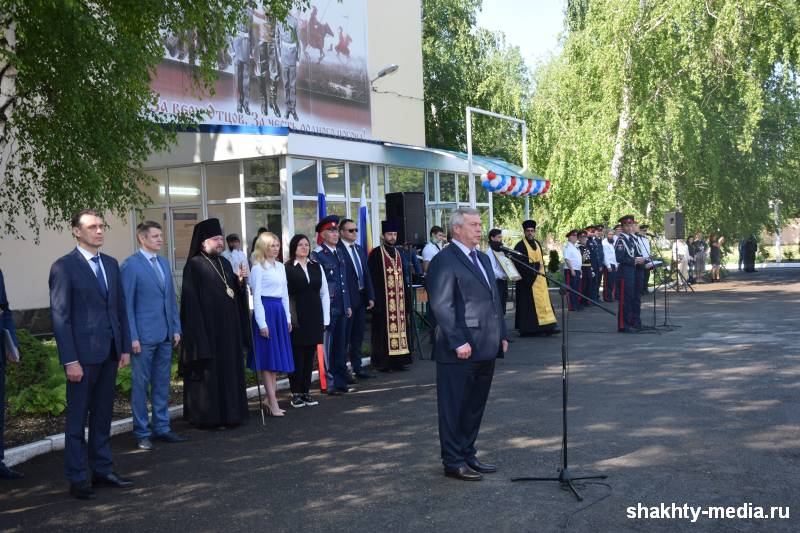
(157, 215)
(305, 218)
(156, 191)
(358, 174)
(447, 187)
(222, 181)
(183, 222)
(304, 177)
(230, 217)
(481, 192)
(333, 178)
(336, 208)
(381, 183)
(381, 212)
(262, 178)
(463, 188)
(266, 214)
(184, 185)
(406, 180)
(431, 187)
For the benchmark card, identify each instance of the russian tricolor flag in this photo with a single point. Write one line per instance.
(365, 237)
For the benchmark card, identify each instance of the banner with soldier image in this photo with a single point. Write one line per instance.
(308, 72)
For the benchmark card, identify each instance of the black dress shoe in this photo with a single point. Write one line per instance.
(363, 375)
(483, 468)
(334, 392)
(145, 444)
(351, 380)
(111, 479)
(82, 491)
(464, 473)
(170, 437)
(7, 473)
(343, 390)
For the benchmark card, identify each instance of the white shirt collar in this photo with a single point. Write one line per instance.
(462, 247)
(86, 254)
(147, 255)
(329, 247)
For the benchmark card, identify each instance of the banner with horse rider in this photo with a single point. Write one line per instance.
(308, 72)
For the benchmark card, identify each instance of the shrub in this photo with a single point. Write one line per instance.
(37, 385)
(788, 254)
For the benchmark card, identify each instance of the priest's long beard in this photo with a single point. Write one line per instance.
(531, 241)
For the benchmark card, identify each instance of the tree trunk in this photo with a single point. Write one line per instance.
(8, 76)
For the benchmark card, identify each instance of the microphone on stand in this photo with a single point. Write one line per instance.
(502, 248)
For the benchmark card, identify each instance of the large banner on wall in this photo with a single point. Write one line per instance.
(308, 73)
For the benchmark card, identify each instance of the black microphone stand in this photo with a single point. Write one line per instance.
(565, 475)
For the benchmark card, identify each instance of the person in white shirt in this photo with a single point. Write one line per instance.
(434, 246)
(609, 267)
(680, 254)
(572, 269)
(644, 247)
(235, 255)
(272, 318)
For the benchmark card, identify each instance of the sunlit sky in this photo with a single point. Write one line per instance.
(533, 25)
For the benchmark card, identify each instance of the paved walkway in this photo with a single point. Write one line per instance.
(705, 415)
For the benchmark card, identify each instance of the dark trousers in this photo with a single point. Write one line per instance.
(300, 379)
(502, 288)
(645, 280)
(93, 398)
(2, 403)
(335, 357)
(355, 334)
(461, 392)
(626, 317)
(574, 282)
(609, 283)
(586, 285)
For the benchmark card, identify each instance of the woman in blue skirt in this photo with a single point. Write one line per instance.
(272, 320)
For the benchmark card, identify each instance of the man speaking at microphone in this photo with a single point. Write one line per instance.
(470, 334)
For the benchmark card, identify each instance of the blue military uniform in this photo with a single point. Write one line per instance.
(595, 247)
(628, 273)
(335, 341)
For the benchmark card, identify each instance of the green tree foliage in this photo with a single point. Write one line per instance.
(76, 112)
(686, 104)
(37, 384)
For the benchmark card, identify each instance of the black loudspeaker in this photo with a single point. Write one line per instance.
(673, 225)
(408, 209)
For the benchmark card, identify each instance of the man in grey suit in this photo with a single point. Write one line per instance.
(470, 334)
(155, 328)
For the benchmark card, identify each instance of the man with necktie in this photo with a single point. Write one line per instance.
(362, 294)
(91, 327)
(155, 327)
(470, 334)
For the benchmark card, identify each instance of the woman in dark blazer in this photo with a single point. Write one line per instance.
(310, 310)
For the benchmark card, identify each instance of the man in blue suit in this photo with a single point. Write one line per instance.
(362, 294)
(91, 329)
(470, 334)
(7, 332)
(155, 327)
(335, 341)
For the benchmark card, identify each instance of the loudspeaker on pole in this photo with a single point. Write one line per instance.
(408, 209)
(674, 225)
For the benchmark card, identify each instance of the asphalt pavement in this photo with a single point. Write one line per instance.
(704, 415)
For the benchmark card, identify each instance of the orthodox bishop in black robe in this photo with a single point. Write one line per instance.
(216, 331)
(534, 310)
(390, 350)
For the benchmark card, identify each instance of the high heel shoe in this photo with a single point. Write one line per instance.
(270, 412)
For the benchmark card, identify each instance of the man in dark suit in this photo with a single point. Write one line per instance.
(155, 327)
(470, 334)
(7, 333)
(362, 294)
(92, 332)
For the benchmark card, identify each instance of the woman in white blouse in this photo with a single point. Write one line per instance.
(272, 319)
